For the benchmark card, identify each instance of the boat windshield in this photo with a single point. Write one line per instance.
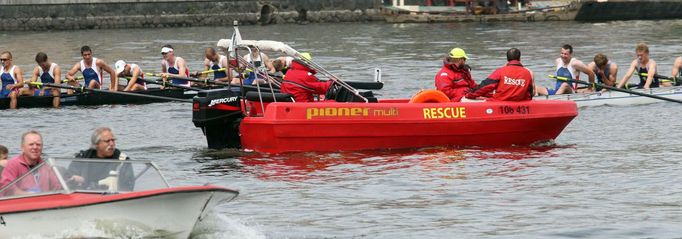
(89, 175)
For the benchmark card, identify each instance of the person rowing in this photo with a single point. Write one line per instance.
(606, 71)
(261, 62)
(133, 71)
(454, 78)
(12, 79)
(173, 66)
(217, 63)
(47, 72)
(282, 63)
(512, 82)
(569, 67)
(642, 64)
(92, 69)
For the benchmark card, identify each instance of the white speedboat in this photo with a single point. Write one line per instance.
(131, 196)
(618, 98)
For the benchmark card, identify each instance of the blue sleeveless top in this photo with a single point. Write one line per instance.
(642, 79)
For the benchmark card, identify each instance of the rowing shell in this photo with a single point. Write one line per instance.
(618, 98)
(91, 98)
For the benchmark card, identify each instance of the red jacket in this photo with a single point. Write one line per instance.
(512, 82)
(454, 82)
(300, 81)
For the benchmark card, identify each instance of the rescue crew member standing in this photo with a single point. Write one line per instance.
(454, 79)
(92, 68)
(136, 80)
(218, 63)
(47, 72)
(512, 82)
(173, 66)
(568, 67)
(12, 79)
(301, 82)
(605, 70)
(642, 65)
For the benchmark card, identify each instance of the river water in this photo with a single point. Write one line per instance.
(613, 174)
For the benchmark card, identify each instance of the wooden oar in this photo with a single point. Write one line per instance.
(82, 88)
(615, 89)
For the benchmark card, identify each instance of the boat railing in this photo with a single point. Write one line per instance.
(64, 175)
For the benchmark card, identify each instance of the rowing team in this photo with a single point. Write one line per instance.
(47, 75)
(515, 82)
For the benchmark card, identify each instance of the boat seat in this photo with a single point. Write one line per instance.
(269, 97)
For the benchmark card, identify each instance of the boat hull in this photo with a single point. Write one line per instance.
(619, 98)
(97, 98)
(295, 127)
(167, 213)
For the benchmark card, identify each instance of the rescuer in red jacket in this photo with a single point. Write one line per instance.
(300, 81)
(454, 79)
(512, 82)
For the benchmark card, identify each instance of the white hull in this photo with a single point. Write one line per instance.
(618, 98)
(171, 215)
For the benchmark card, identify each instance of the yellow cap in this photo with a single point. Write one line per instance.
(306, 55)
(458, 53)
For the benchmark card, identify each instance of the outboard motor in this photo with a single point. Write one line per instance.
(218, 113)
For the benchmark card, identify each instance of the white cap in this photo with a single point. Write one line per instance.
(120, 66)
(166, 50)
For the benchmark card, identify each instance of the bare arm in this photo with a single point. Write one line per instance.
(182, 68)
(613, 75)
(676, 67)
(133, 79)
(651, 67)
(36, 74)
(628, 74)
(228, 72)
(112, 73)
(580, 66)
(268, 64)
(71, 73)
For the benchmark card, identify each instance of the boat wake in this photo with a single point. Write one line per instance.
(219, 226)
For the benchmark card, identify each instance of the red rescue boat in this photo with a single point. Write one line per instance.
(347, 119)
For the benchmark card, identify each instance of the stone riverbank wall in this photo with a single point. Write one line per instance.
(98, 14)
(600, 10)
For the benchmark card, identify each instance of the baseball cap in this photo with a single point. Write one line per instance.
(458, 53)
(120, 66)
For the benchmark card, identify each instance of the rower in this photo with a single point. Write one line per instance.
(642, 64)
(102, 146)
(173, 66)
(92, 69)
(217, 63)
(282, 64)
(134, 75)
(605, 71)
(262, 63)
(47, 72)
(12, 79)
(454, 78)
(512, 82)
(568, 67)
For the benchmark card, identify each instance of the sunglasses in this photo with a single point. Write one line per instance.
(4, 59)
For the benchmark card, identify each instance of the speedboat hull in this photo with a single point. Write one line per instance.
(392, 124)
(167, 213)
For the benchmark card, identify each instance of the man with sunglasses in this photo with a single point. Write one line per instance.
(454, 79)
(173, 67)
(12, 79)
(87, 175)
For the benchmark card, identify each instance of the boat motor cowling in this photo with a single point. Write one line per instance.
(218, 113)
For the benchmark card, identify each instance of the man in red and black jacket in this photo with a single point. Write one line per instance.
(512, 82)
(454, 79)
(300, 81)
